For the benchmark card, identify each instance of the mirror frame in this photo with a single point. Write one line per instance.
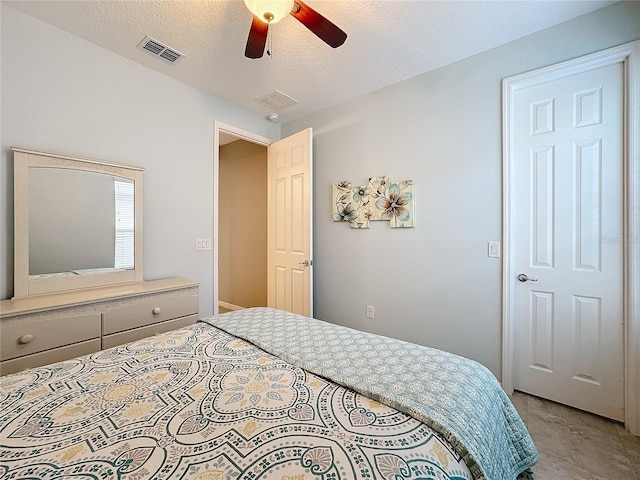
(26, 285)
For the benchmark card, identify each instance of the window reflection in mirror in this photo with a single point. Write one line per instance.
(79, 222)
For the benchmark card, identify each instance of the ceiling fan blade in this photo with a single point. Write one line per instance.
(323, 28)
(257, 39)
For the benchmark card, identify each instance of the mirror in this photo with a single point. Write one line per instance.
(78, 223)
(67, 235)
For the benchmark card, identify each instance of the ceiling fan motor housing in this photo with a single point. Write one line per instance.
(270, 11)
(266, 12)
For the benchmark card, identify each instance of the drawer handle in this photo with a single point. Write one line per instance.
(157, 310)
(26, 338)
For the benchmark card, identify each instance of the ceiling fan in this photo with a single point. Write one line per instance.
(268, 12)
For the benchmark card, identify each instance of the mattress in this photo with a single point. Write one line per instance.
(205, 403)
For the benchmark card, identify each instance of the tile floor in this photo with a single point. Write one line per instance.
(575, 445)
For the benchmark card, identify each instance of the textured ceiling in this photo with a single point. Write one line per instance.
(388, 41)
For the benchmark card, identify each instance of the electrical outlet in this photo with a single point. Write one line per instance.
(370, 311)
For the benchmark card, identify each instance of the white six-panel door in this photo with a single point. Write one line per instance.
(568, 215)
(289, 269)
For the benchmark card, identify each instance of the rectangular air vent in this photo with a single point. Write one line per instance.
(277, 100)
(152, 45)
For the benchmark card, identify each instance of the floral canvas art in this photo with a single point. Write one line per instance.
(378, 199)
(351, 204)
(397, 205)
(343, 206)
(378, 189)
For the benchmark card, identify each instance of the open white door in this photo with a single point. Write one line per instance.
(290, 252)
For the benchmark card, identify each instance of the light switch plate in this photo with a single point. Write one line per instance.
(203, 244)
(494, 250)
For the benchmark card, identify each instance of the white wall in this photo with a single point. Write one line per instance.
(434, 284)
(62, 94)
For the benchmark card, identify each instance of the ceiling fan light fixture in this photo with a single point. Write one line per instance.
(270, 11)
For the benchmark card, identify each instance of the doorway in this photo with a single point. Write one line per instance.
(561, 336)
(289, 218)
(242, 240)
(232, 269)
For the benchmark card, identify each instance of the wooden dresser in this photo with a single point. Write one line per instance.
(44, 329)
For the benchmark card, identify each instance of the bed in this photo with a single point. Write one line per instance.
(262, 394)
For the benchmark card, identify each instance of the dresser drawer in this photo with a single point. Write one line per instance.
(148, 331)
(50, 356)
(147, 312)
(31, 336)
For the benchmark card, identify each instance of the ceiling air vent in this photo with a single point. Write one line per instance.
(158, 49)
(276, 100)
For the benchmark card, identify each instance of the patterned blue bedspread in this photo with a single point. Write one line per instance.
(455, 396)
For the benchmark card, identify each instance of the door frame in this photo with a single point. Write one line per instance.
(629, 55)
(220, 127)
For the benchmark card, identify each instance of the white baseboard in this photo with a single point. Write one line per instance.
(229, 306)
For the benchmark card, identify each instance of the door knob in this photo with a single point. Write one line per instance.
(306, 263)
(523, 278)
